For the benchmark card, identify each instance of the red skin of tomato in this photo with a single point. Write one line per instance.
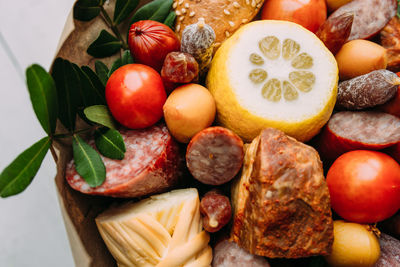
(150, 42)
(311, 14)
(364, 186)
(135, 96)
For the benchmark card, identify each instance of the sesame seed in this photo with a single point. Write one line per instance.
(187, 5)
(178, 27)
(191, 14)
(259, 5)
(226, 11)
(236, 4)
(180, 2)
(227, 34)
(253, 3)
(178, 13)
(231, 23)
(181, 18)
(174, 5)
(183, 10)
(244, 20)
(247, 2)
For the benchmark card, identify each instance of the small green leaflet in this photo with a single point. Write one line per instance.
(67, 84)
(151, 10)
(104, 46)
(119, 62)
(86, 10)
(162, 13)
(126, 58)
(122, 10)
(43, 94)
(110, 143)
(97, 86)
(88, 162)
(101, 115)
(20, 173)
(170, 20)
(101, 71)
(398, 8)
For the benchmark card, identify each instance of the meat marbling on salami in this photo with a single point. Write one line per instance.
(152, 164)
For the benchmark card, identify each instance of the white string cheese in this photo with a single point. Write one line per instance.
(164, 231)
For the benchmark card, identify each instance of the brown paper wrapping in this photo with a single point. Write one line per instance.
(79, 210)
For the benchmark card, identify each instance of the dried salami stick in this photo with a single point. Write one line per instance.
(214, 155)
(350, 130)
(366, 91)
(216, 210)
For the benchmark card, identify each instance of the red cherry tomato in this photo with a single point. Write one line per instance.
(308, 13)
(364, 186)
(135, 96)
(150, 41)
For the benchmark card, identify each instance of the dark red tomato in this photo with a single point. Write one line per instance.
(135, 96)
(150, 42)
(310, 14)
(364, 186)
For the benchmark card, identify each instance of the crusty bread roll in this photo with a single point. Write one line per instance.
(224, 16)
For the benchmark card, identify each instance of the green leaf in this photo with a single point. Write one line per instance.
(86, 10)
(20, 173)
(104, 46)
(98, 88)
(43, 94)
(67, 84)
(88, 162)
(126, 58)
(101, 71)
(117, 63)
(110, 143)
(122, 10)
(147, 11)
(101, 115)
(170, 20)
(398, 8)
(162, 13)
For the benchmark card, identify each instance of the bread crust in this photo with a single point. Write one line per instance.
(224, 16)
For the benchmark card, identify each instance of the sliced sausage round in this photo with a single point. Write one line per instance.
(152, 164)
(214, 155)
(353, 130)
(370, 16)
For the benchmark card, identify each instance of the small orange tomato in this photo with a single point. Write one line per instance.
(308, 13)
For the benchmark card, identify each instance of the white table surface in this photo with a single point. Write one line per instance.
(32, 230)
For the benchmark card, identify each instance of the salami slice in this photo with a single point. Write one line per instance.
(229, 254)
(152, 164)
(214, 155)
(370, 16)
(350, 130)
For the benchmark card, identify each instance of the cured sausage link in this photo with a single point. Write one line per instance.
(214, 155)
(216, 210)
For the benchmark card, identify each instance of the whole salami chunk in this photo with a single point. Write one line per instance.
(368, 90)
(370, 16)
(214, 155)
(355, 130)
(281, 202)
(216, 211)
(152, 164)
(229, 254)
